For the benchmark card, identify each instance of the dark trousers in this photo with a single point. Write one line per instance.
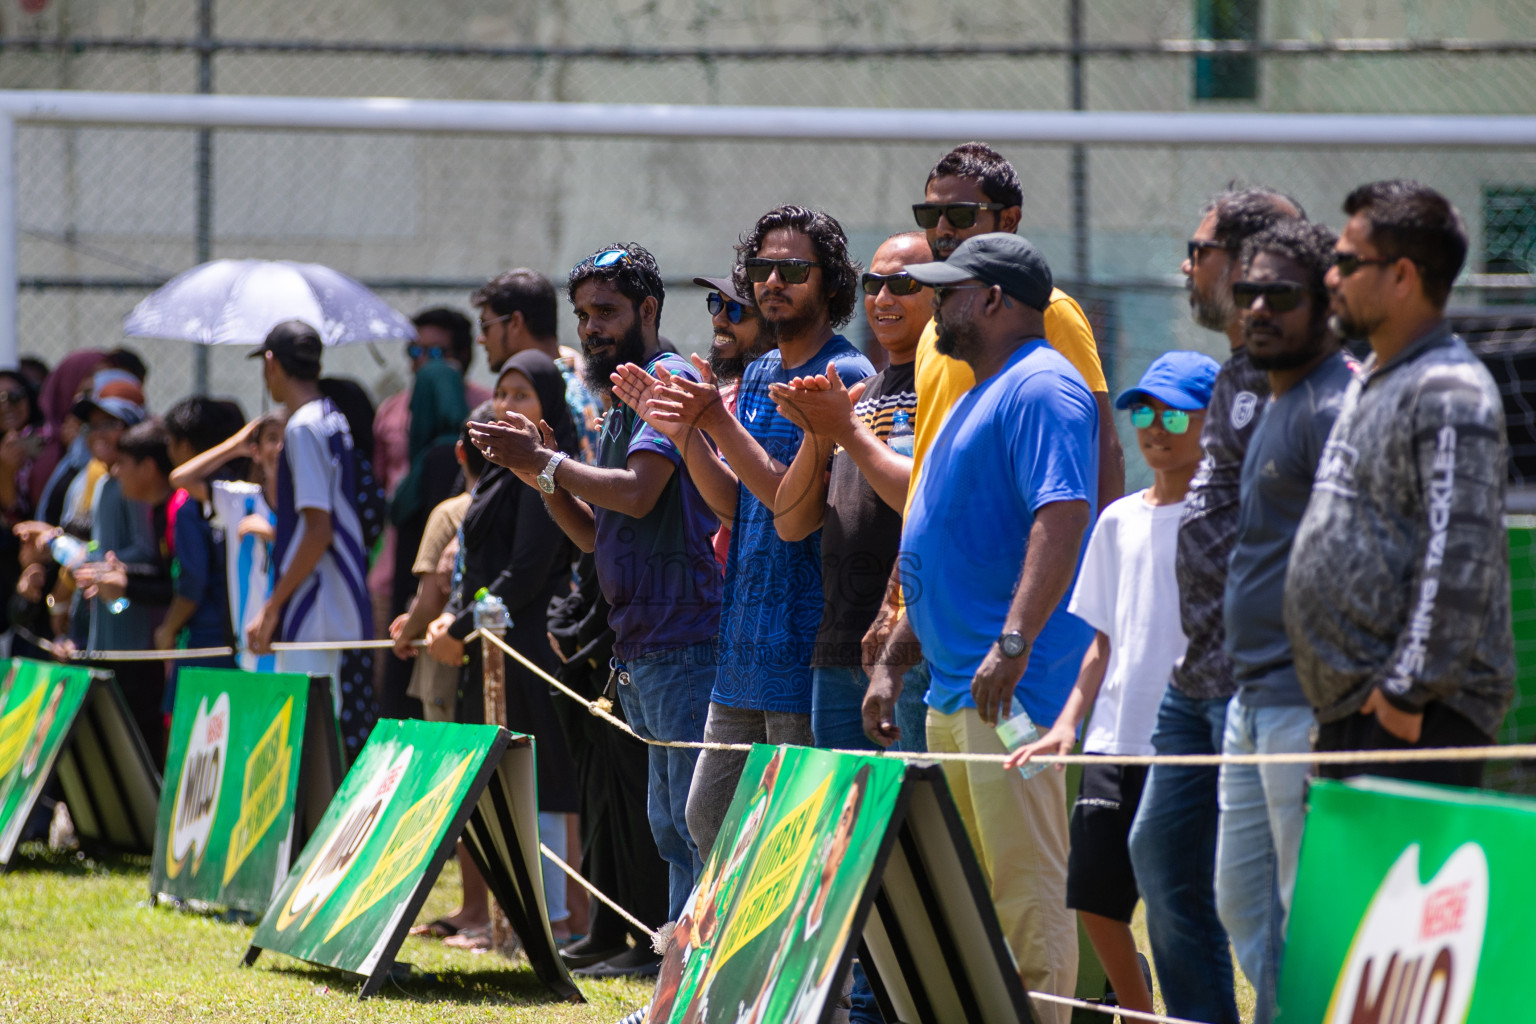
(1442, 728)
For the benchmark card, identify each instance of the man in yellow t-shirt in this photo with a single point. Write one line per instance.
(976, 186)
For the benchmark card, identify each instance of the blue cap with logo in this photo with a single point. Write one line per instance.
(1179, 379)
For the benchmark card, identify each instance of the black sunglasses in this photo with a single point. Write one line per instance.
(734, 311)
(1195, 247)
(959, 215)
(1279, 296)
(901, 283)
(760, 269)
(1349, 262)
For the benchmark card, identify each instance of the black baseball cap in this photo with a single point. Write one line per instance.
(999, 258)
(724, 286)
(292, 341)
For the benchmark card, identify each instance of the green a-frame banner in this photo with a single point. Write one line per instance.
(70, 723)
(823, 855)
(365, 873)
(252, 761)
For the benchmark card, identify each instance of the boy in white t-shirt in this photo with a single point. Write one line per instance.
(1127, 591)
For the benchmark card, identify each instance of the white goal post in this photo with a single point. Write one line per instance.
(850, 124)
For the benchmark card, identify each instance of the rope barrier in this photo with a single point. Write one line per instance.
(1113, 1011)
(188, 653)
(651, 933)
(1510, 752)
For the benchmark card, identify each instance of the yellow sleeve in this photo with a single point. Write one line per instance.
(1068, 331)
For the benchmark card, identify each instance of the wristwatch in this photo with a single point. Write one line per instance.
(1012, 644)
(547, 477)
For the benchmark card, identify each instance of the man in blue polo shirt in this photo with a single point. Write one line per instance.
(1010, 482)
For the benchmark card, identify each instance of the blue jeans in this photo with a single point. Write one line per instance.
(1173, 849)
(837, 702)
(666, 697)
(1263, 808)
(552, 834)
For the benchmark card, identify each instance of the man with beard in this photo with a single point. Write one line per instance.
(1282, 305)
(972, 190)
(1173, 840)
(1398, 599)
(639, 512)
(858, 505)
(796, 263)
(739, 339)
(1010, 482)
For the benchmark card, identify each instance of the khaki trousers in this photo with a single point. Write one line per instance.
(1019, 831)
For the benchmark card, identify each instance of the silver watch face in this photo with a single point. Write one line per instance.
(547, 482)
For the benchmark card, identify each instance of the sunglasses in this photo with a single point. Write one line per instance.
(734, 311)
(609, 258)
(1349, 262)
(790, 271)
(417, 351)
(1279, 296)
(484, 323)
(959, 215)
(1175, 421)
(12, 397)
(1195, 248)
(899, 284)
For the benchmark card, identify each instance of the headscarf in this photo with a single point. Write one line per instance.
(63, 384)
(549, 384)
(438, 411)
(493, 505)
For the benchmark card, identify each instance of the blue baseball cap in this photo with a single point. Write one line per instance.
(1178, 379)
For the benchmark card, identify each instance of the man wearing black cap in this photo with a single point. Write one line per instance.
(739, 339)
(320, 593)
(1016, 463)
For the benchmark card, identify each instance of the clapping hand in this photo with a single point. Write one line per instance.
(685, 403)
(514, 443)
(819, 405)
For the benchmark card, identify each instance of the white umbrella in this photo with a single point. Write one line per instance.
(237, 302)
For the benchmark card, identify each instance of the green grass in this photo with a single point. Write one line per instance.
(79, 944)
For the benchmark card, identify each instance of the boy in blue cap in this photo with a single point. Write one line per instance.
(1127, 591)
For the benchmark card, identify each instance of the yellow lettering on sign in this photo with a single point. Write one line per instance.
(408, 845)
(771, 887)
(16, 727)
(266, 786)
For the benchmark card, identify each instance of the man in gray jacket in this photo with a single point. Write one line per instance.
(1397, 598)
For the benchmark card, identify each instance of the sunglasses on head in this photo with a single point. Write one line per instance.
(1349, 262)
(610, 258)
(760, 269)
(1279, 296)
(1175, 421)
(959, 215)
(417, 351)
(901, 283)
(734, 311)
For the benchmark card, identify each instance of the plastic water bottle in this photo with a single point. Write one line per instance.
(1019, 731)
(901, 438)
(69, 552)
(491, 613)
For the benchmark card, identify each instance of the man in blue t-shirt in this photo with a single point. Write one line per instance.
(796, 267)
(640, 514)
(1010, 482)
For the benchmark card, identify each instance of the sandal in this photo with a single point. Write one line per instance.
(442, 928)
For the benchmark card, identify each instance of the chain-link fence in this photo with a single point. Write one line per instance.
(109, 213)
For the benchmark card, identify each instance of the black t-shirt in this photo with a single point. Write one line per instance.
(862, 534)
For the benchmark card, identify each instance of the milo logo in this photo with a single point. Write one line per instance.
(1414, 957)
(337, 856)
(197, 792)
